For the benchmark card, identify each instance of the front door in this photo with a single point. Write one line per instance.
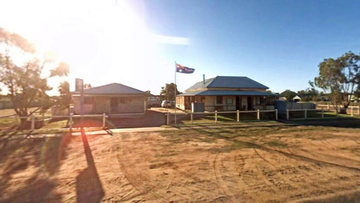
(249, 105)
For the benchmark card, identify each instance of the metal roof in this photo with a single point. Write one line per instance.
(229, 82)
(113, 88)
(226, 93)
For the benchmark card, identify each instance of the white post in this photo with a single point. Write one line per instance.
(305, 114)
(191, 116)
(287, 114)
(215, 116)
(322, 113)
(104, 120)
(276, 114)
(352, 112)
(168, 118)
(32, 122)
(71, 121)
(328, 107)
(237, 115)
(258, 114)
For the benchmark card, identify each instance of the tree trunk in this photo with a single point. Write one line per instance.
(343, 110)
(23, 123)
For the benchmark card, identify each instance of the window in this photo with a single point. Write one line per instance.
(262, 100)
(229, 101)
(258, 100)
(88, 100)
(219, 99)
(124, 100)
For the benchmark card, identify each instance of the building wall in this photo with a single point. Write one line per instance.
(228, 103)
(111, 104)
(180, 102)
(130, 105)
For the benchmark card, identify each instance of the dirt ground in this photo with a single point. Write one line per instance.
(278, 163)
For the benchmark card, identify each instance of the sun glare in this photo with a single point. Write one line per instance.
(91, 36)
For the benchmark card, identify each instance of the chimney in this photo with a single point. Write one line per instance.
(203, 78)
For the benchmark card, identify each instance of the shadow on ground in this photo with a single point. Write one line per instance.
(150, 119)
(27, 167)
(333, 122)
(88, 185)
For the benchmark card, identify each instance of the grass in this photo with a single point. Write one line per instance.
(8, 126)
(8, 120)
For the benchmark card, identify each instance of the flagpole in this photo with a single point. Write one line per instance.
(175, 93)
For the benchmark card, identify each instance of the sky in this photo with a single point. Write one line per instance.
(278, 43)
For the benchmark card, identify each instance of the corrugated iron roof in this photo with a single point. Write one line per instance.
(226, 93)
(228, 82)
(113, 88)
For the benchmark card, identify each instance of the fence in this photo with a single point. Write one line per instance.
(239, 115)
(350, 108)
(33, 120)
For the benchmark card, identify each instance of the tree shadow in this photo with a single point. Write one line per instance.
(88, 185)
(37, 160)
(330, 122)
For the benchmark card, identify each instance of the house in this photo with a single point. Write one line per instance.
(227, 93)
(297, 98)
(114, 99)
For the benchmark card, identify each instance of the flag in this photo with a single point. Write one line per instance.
(184, 69)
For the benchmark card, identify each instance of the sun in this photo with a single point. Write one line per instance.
(88, 35)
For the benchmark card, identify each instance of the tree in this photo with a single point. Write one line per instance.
(288, 94)
(23, 74)
(309, 94)
(65, 95)
(168, 92)
(87, 86)
(340, 78)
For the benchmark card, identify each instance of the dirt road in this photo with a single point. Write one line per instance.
(267, 164)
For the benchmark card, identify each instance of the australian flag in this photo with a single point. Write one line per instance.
(184, 69)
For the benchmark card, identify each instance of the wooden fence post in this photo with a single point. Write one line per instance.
(104, 120)
(287, 114)
(71, 121)
(215, 116)
(168, 118)
(258, 114)
(237, 115)
(192, 119)
(305, 114)
(276, 114)
(322, 113)
(352, 112)
(32, 122)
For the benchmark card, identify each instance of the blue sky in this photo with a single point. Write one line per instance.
(278, 43)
